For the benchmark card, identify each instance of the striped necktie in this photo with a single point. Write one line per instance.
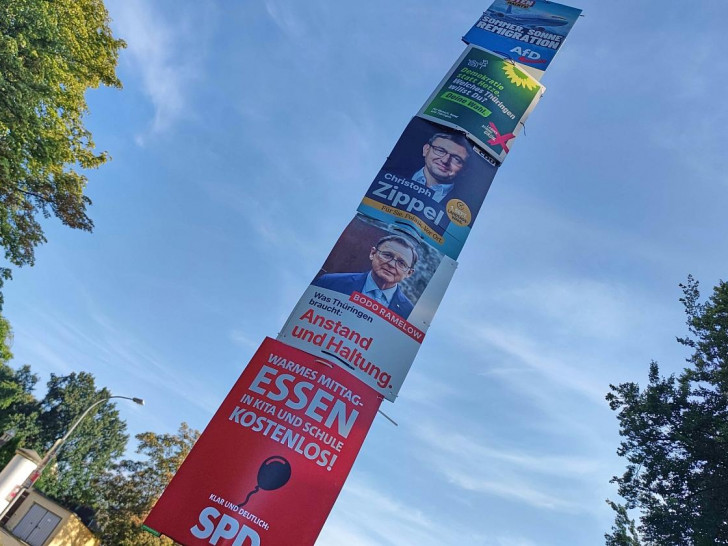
(378, 295)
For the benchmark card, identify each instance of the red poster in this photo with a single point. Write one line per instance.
(269, 466)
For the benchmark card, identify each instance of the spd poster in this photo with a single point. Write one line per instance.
(267, 469)
(487, 96)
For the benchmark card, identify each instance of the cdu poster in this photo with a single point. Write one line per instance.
(434, 181)
(269, 466)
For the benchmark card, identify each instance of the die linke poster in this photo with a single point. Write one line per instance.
(371, 303)
(269, 466)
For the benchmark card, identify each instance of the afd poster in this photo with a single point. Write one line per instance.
(529, 32)
(487, 96)
(370, 305)
(268, 468)
(434, 181)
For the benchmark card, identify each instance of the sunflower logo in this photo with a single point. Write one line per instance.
(518, 77)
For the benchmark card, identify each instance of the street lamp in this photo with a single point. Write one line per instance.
(57, 445)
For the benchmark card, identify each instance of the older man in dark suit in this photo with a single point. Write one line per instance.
(393, 260)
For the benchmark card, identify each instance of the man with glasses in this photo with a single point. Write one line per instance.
(445, 156)
(393, 260)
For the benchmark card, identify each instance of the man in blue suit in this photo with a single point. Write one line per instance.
(393, 260)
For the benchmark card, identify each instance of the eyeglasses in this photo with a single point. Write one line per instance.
(399, 263)
(442, 152)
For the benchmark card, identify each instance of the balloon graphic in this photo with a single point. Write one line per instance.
(272, 474)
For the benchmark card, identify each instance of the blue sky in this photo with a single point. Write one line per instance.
(243, 139)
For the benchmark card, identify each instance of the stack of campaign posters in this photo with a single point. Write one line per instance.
(293, 424)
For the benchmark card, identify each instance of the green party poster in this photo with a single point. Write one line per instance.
(487, 96)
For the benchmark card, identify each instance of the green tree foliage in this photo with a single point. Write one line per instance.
(9, 388)
(16, 396)
(7, 451)
(6, 340)
(88, 471)
(16, 387)
(18, 408)
(130, 488)
(624, 530)
(99, 439)
(51, 51)
(93, 447)
(675, 435)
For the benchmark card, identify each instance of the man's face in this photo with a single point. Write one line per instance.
(391, 263)
(444, 159)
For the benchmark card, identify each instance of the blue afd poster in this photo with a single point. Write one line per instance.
(529, 32)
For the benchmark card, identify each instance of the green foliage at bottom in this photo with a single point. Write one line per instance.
(675, 435)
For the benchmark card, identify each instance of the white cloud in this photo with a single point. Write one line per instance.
(369, 517)
(526, 350)
(579, 306)
(567, 331)
(289, 22)
(242, 339)
(427, 391)
(117, 358)
(160, 51)
(504, 472)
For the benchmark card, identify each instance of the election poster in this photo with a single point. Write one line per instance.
(268, 468)
(529, 32)
(369, 307)
(487, 96)
(435, 181)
